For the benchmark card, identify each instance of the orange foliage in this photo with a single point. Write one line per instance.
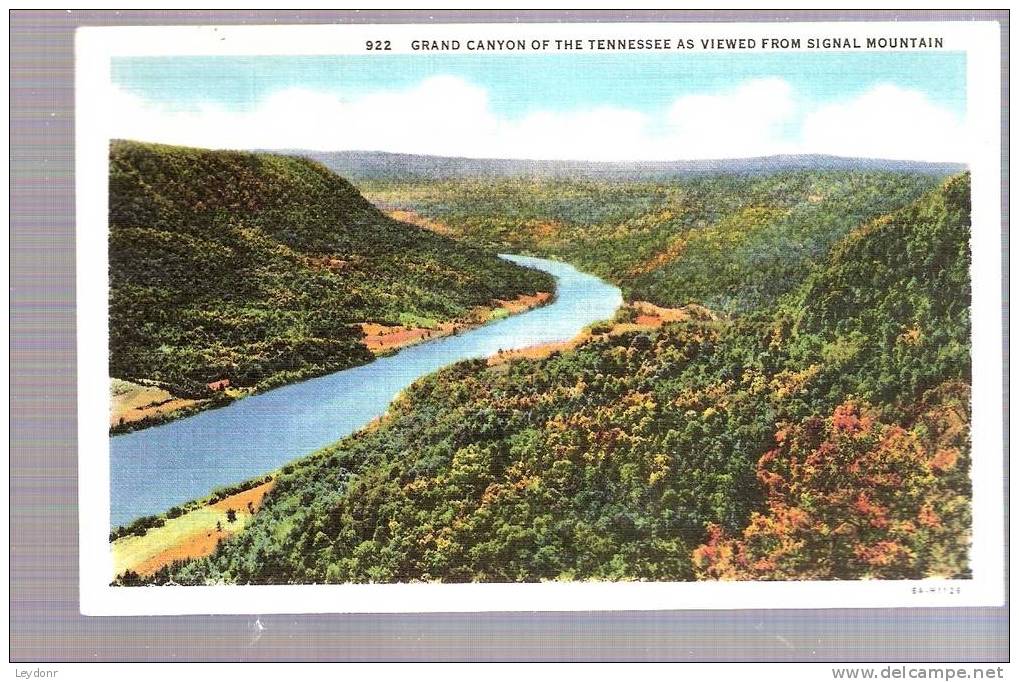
(851, 497)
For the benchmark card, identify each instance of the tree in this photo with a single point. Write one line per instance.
(851, 497)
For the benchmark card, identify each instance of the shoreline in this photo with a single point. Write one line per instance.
(645, 317)
(376, 343)
(188, 531)
(383, 340)
(194, 529)
(147, 513)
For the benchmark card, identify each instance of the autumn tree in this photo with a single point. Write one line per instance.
(851, 497)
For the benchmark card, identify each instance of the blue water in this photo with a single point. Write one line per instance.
(153, 469)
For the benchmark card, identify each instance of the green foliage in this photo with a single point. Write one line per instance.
(892, 306)
(128, 579)
(258, 268)
(851, 497)
(731, 242)
(626, 457)
(139, 526)
(227, 491)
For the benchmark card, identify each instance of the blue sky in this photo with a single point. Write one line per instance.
(657, 97)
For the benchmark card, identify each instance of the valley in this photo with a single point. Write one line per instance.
(783, 395)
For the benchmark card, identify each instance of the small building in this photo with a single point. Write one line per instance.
(219, 385)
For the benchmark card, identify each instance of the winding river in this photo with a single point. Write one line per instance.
(153, 469)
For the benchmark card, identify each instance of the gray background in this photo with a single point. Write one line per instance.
(45, 623)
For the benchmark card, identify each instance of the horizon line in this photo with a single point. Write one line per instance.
(759, 157)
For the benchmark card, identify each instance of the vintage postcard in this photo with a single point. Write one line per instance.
(458, 317)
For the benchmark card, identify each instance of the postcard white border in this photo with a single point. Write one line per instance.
(94, 49)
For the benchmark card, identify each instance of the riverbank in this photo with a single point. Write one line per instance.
(635, 316)
(136, 406)
(188, 532)
(205, 524)
(133, 402)
(152, 470)
(384, 339)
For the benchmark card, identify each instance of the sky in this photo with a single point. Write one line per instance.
(605, 106)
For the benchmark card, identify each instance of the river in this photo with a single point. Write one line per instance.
(153, 469)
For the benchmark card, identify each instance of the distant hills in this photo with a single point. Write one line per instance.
(369, 165)
(730, 241)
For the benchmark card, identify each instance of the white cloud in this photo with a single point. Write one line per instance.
(447, 115)
(439, 113)
(746, 121)
(889, 122)
(602, 134)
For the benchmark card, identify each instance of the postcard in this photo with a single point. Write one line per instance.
(501, 317)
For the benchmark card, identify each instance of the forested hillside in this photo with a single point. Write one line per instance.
(259, 269)
(823, 434)
(732, 242)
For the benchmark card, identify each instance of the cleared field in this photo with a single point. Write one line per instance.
(645, 316)
(380, 338)
(133, 402)
(194, 534)
(522, 303)
(415, 218)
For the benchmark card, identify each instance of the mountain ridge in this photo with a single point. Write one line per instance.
(259, 269)
(363, 164)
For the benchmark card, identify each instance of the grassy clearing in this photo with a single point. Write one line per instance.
(382, 339)
(191, 535)
(132, 402)
(637, 316)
